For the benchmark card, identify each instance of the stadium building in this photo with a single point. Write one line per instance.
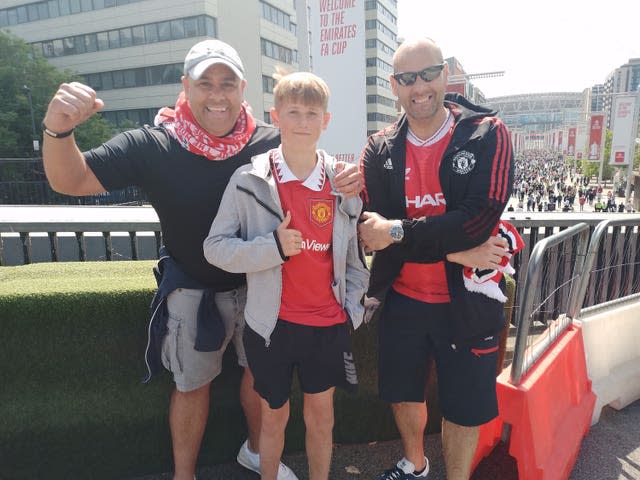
(534, 117)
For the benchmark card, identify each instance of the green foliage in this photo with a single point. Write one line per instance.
(128, 124)
(20, 66)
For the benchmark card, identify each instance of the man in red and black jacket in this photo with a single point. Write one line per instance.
(436, 184)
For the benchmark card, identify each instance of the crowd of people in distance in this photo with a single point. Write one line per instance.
(545, 182)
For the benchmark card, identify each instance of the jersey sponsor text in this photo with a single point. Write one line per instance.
(427, 200)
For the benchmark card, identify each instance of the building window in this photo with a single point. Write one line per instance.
(378, 45)
(164, 31)
(380, 117)
(125, 119)
(277, 16)
(375, 24)
(22, 14)
(151, 33)
(43, 10)
(74, 5)
(114, 39)
(53, 8)
(135, 77)
(268, 84)
(190, 27)
(125, 37)
(377, 62)
(69, 46)
(388, 102)
(278, 52)
(381, 82)
(177, 29)
(90, 42)
(137, 35)
(103, 40)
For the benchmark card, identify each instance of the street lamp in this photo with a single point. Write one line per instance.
(36, 143)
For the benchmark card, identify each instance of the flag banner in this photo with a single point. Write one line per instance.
(595, 137)
(623, 117)
(581, 140)
(571, 142)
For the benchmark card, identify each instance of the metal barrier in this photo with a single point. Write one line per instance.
(610, 237)
(521, 362)
(588, 253)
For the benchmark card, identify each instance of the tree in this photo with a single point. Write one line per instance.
(20, 66)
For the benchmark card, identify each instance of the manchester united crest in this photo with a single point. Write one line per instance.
(321, 212)
(463, 162)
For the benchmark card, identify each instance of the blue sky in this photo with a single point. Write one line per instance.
(543, 46)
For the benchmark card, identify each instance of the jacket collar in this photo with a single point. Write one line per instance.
(460, 107)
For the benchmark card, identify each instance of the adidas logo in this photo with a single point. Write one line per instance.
(388, 165)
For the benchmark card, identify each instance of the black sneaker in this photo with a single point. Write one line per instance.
(404, 470)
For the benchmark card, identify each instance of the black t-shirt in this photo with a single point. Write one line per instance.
(185, 189)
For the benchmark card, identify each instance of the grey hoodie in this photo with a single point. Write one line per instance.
(242, 240)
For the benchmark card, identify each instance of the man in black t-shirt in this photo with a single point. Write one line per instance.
(183, 164)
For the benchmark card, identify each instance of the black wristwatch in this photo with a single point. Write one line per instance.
(397, 231)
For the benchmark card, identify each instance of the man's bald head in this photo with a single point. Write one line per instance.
(417, 46)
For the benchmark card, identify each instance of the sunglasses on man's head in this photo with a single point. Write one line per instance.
(428, 75)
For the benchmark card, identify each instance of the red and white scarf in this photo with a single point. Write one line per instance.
(182, 125)
(487, 282)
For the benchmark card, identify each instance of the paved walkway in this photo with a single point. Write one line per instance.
(611, 451)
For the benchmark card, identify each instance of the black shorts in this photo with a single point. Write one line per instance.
(410, 332)
(322, 356)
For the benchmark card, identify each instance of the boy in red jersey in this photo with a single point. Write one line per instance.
(281, 222)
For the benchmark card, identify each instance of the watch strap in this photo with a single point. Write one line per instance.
(53, 134)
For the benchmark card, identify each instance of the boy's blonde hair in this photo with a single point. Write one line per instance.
(302, 87)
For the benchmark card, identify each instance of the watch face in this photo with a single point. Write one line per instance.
(396, 232)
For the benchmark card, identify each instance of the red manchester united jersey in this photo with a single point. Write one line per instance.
(307, 296)
(426, 282)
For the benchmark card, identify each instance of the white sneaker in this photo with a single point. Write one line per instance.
(404, 471)
(251, 460)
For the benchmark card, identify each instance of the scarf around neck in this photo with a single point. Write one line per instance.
(182, 125)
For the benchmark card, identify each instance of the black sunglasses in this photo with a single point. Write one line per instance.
(428, 75)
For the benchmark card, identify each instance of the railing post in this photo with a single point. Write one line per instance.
(53, 245)
(108, 247)
(81, 246)
(134, 245)
(25, 238)
(158, 236)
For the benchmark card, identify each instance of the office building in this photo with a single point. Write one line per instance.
(132, 51)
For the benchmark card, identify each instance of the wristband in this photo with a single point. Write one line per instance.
(53, 134)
